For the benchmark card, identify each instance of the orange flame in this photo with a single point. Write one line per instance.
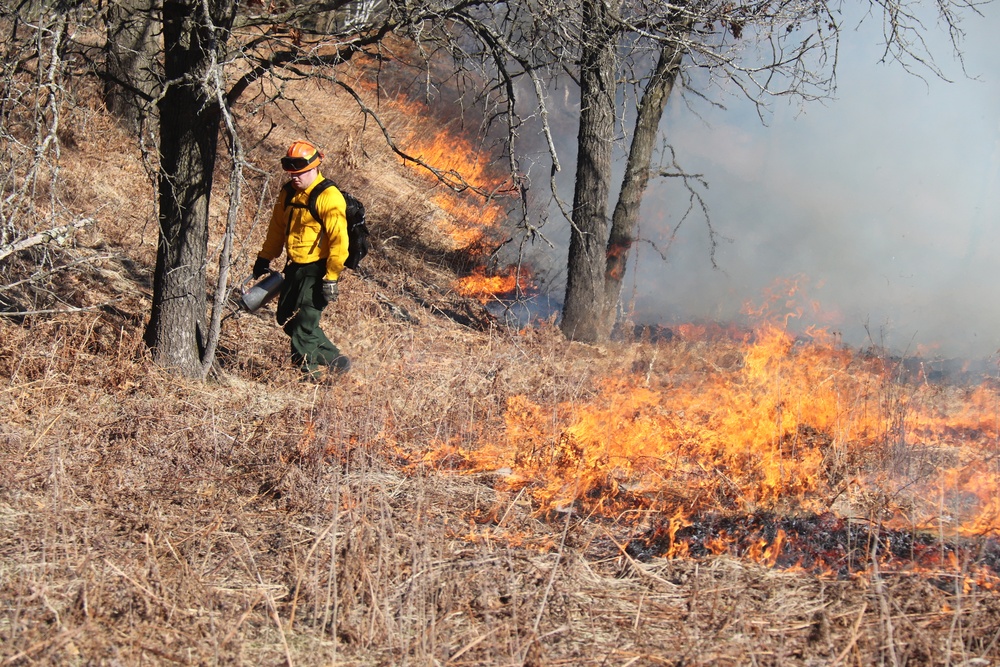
(797, 425)
(468, 216)
(466, 222)
(484, 287)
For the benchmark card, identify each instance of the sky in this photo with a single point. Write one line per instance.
(881, 205)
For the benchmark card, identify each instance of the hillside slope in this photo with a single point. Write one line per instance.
(258, 520)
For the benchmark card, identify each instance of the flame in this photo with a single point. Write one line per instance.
(701, 331)
(792, 425)
(796, 426)
(476, 192)
(468, 217)
(472, 207)
(467, 222)
(741, 438)
(456, 156)
(484, 287)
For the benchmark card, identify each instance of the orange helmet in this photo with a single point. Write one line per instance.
(301, 156)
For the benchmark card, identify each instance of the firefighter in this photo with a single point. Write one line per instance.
(315, 250)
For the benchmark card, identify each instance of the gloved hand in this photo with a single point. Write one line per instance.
(261, 267)
(330, 291)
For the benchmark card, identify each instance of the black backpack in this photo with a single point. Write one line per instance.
(357, 229)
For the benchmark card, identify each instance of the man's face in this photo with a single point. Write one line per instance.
(304, 180)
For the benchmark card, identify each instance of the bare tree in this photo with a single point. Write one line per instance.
(193, 35)
(503, 55)
(200, 41)
(36, 79)
(759, 50)
(626, 58)
(190, 60)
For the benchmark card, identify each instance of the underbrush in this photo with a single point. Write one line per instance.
(445, 502)
(254, 519)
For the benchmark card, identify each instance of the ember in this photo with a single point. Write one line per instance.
(825, 543)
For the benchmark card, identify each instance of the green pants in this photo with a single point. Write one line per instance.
(300, 306)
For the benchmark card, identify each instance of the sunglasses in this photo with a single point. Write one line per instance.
(296, 163)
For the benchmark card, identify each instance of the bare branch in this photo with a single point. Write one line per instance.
(56, 234)
(59, 311)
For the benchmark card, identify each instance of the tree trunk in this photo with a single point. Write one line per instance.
(189, 132)
(589, 236)
(131, 77)
(626, 215)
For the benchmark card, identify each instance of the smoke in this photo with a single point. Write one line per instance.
(881, 206)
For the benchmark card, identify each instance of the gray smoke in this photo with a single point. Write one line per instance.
(882, 205)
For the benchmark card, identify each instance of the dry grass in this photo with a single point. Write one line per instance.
(256, 520)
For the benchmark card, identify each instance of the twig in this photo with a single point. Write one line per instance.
(854, 636)
(883, 603)
(145, 589)
(552, 575)
(270, 604)
(42, 434)
(250, 607)
(635, 564)
(475, 642)
(298, 578)
(277, 623)
(58, 640)
(510, 507)
(34, 277)
(59, 311)
(55, 234)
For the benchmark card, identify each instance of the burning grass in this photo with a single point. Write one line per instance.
(702, 463)
(470, 494)
(258, 520)
(788, 426)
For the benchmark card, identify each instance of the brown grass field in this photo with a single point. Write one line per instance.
(470, 494)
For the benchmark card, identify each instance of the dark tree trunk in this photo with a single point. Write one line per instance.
(189, 132)
(589, 236)
(132, 71)
(626, 215)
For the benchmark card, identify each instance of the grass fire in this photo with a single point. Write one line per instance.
(473, 208)
(471, 493)
(766, 425)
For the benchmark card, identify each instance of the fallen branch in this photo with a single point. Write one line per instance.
(57, 234)
(57, 311)
(63, 267)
